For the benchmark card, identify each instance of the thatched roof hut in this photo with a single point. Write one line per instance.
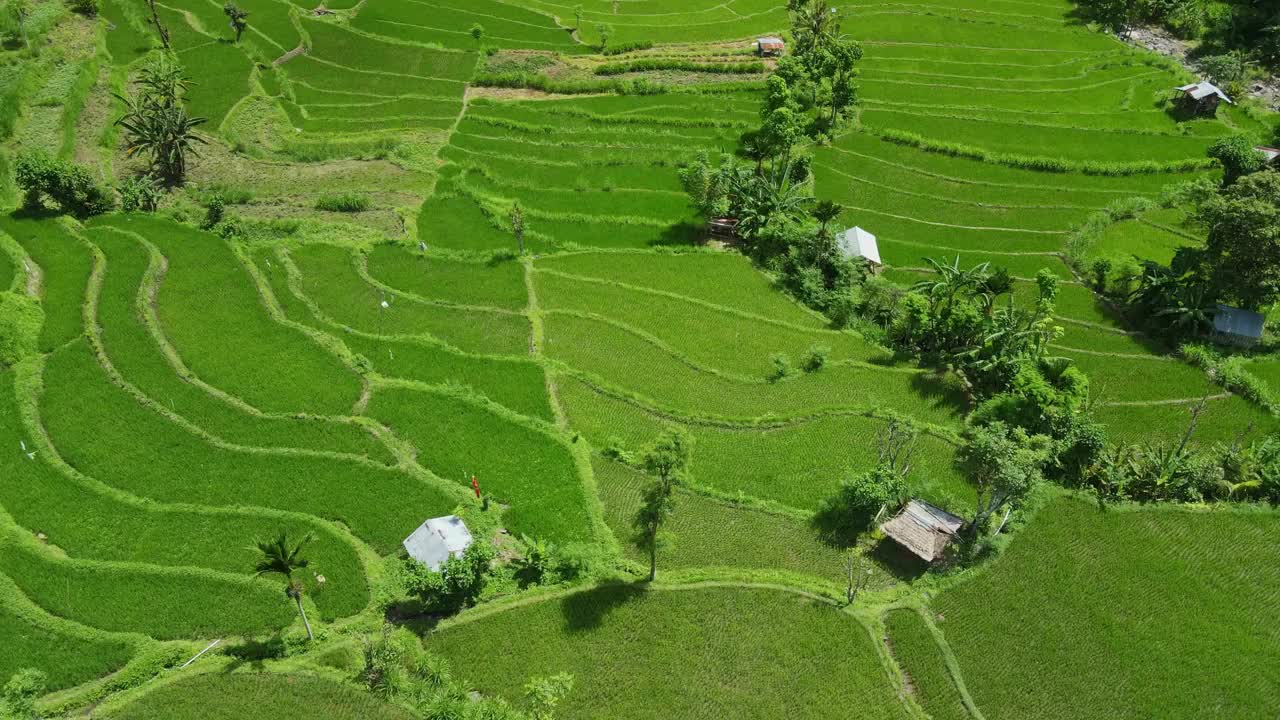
(924, 529)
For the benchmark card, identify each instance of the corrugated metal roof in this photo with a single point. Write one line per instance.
(1202, 90)
(1269, 153)
(437, 539)
(769, 41)
(858, 243)
(1234, 321)
(923, 529)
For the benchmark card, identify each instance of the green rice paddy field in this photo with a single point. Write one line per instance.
(345, 375)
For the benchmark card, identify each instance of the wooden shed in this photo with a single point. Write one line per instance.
(770, 46)
(723, 228)
(1201, 98)
(926, 530)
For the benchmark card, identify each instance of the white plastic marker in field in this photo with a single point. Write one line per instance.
(197, 655)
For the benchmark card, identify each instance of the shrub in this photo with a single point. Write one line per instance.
(20, 321)
(816, 358)
(68, 186)
(344, 203)
(1237, 156)
(650, 64)
(214, 211)
(458, 582)
(139, 194)
(854, 507)
(20, 694)
(624, 48)
(781, 367)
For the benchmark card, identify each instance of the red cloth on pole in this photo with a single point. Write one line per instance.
(475, 485)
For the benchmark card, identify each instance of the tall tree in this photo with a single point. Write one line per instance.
(517, 225)
(238, 18)
(160, 28)
(1242, 251)
(666, 461)
(280, 557)
(1004, 463)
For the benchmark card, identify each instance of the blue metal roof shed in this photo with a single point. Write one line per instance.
(1243, 324)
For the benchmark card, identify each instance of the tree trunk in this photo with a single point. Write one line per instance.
(653, 557)
(303, 613)
(155, 18)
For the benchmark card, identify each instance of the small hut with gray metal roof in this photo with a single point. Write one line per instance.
(1202, 97)
(438, 539)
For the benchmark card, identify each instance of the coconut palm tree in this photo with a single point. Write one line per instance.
(824, 212)
(280, 557)
(950, 280)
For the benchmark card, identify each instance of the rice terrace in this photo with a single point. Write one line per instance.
(639, 359)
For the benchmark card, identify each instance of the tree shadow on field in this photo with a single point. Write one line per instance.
(683, 233)
(943, 391)
(586, 610)
(254, 652)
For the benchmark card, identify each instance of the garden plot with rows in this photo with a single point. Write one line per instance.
(434, 258)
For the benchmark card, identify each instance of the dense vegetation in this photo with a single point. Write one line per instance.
(277, 284)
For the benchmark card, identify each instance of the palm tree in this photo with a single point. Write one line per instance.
(824, 212)
(279, 557)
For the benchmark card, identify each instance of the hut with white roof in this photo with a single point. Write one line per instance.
(438, 539)
(857, 243)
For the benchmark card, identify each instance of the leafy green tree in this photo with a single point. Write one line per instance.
(21, 693)
(1004, 463)
(1114, 15)
(840, 60)
(457, 584)
(477, 32)
(238, 18)
(1238, 157)
(516, 217)
(577, 17)
(156, 122)
(1241, 258)
(824, 211)
(605, 31)
(667, 461)
(281, 557)
(863, 497)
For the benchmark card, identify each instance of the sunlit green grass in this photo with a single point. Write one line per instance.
(65, 263)
(212, 313)
(919, 656)
(329, 278)
(103, 431)
(133, 351)
(1132, 613)
(67, 653)
(518, 465)
(217, 696)
(797, 464)
(720, 652)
